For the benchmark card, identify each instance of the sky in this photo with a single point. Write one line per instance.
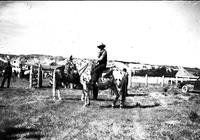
(151, 32)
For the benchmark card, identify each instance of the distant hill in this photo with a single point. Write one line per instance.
(126, 62)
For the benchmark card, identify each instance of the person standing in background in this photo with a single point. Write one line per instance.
(7, 75)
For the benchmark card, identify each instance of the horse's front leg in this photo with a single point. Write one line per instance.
(54, 94)
(58, 94)
(87, 98)
(83, 91)
(85, 95)
(59, 97)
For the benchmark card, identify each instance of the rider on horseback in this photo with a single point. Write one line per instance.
(100, 65)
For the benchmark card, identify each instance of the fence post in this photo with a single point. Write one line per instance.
(20, 70)
(157, 80)
(146, 77)
(31, 77)
(176, 80)
(54, 82)
(39, 76)
(130, 79)
(163, 79)
(171, 81)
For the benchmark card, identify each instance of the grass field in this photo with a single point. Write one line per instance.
(150, 114)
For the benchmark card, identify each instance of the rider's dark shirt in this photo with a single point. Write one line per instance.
(104, 57)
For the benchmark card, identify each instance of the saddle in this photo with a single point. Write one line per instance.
(105, 79)
(107, 72)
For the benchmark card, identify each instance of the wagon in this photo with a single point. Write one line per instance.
(190, 86)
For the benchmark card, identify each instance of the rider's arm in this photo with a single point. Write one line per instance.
(102, 56)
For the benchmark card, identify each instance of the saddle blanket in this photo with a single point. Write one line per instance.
(104, 83)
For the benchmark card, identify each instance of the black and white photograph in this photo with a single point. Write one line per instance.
(99, 70)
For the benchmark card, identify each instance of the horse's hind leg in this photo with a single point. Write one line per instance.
(122, 99)
(116, 97)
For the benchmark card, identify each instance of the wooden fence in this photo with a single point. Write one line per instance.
(41, 72)
(162, 81)
(37, 74)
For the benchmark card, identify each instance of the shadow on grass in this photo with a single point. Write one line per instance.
(131, 106)
(72, 99)
(79, 99)
(10, 92)
(101, 100)
(195, 91)
(12, 133)
(133, 95)
(1, 106)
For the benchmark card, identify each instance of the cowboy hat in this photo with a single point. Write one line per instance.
(101, 46)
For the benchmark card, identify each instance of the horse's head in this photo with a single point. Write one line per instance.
(93, 64)
(70, 68)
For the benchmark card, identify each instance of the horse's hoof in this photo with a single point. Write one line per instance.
(86, 105)
(113, 105)
(121, 106)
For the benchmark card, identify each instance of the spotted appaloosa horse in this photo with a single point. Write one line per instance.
(112, 78)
